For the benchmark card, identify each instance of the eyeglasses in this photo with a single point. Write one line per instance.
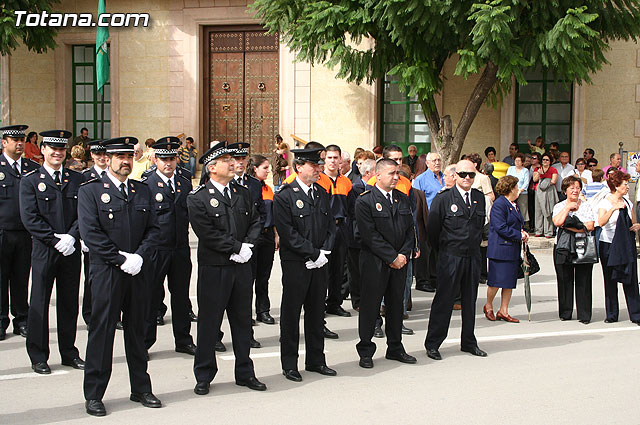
(465, 174)
(545, 159)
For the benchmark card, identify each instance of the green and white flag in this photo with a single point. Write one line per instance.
(102, 51)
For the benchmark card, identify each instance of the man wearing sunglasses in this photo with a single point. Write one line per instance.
(454, 229)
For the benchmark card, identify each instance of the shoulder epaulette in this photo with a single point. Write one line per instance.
(196, 189)
(282, 187)
(90, 181)
(138, 182)
(182, 177)
(365, 192)
(37, 165)
(30, 172)
(444, 189)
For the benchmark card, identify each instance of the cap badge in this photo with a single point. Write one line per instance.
(126, 140)
(159, 197)
(454, 208)
(214, 202)
(105, 198)
(299, 203)
(62, 134)
(42, 187)
(378, 206)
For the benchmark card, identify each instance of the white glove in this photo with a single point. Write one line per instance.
(65, 245)
(237, 258)
(84, 247)
(132, 264)
(322, 259)
(245, 252)
(310, 265)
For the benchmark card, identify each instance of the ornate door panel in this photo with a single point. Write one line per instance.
(242, 98)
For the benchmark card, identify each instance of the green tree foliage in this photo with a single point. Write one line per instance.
(499, 40)
(38, 39)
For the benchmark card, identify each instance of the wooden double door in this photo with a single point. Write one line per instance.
(241, 79)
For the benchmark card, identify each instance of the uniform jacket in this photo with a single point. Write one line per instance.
(109, 224)
(358, 187)
(10, 193)
(453, 228)
(342, 198)
(305, 226)
(383, 230)
(255, 189)
(222, 227)
(505, 229)
(45, 209)
(91, 173)
(171, 210)
(181, 171)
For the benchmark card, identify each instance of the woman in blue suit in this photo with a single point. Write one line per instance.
(506, 235)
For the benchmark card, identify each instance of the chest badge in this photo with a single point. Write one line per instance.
(214, 202)
(105, 198)
(160, 184)
(378, 206)
(159, 197)
(295, 189)
(454, 208)
(1, 175)
(299, 203)
(42, 187)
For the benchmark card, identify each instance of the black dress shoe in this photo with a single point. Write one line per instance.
(585, 322)
(609, 321)
(366, 362)
(406, 331)
(338, 311)
(219, 347)
(253, 322)
(42, 368)
(254, 343)
(20, 330)
(253, 384)
(76, 363)
(119, 325)
(95, 408)
(434, 354)
(146, 399)
(266, 318)
(475, 351)
(3, 334)
(159, 320)
(402, 358)
(329, 334)
(192, 316)
(292, 375)
(378, 333)
(425, 287)
(201, 388)
(186, 349)
(322, 370)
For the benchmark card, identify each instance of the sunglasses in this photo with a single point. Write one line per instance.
(465, 174)
(545, 159)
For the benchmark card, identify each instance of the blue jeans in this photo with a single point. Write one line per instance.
(191, 166)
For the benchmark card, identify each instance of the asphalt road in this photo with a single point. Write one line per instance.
(543, 371)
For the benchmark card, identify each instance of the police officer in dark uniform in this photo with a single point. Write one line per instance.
(386, 232)
(180, 170)
(15, 241)
(49, 211)
(307, 232)
(454, 229)
(227, 225)
(121, 230)
(98, 170)
(171, 258)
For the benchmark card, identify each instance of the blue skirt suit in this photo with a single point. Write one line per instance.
(505, 239)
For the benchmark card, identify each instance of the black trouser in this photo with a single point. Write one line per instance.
(380, 280)
(355, 282)
(336, 266)
(175, 265)
(86, 295)
(425, 266)
(114, 291)
(566, 275)
(223, 288)
(532, 208)
(262, 263)
(455, 275)
(15, 264)
(302, 287)
(48, 266)
(631, 294)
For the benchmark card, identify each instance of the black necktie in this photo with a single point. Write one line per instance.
(389, 199)
(103, 173)
(226, 194)
(15, 168)
(310, 193)
(240, 181)
(466, 199)
(123, 190)
(170, 185)
(56, 178)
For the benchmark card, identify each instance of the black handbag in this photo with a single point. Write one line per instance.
(585, 248)
(534, 267)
